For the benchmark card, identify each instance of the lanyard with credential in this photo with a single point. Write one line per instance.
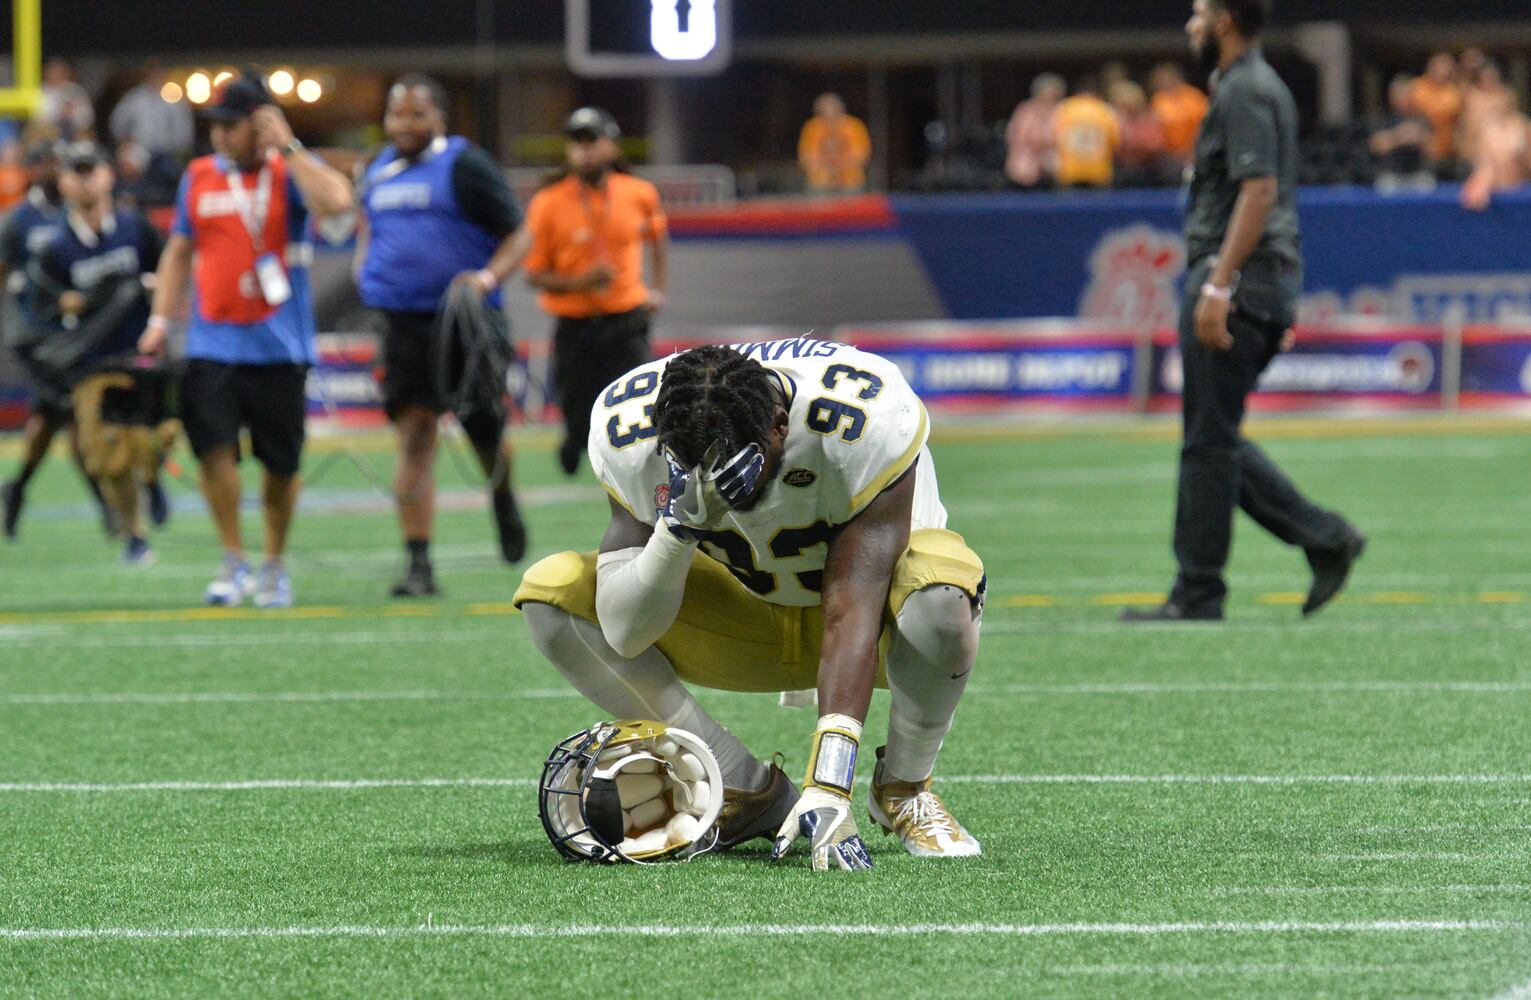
(596, 221)
(252, 211)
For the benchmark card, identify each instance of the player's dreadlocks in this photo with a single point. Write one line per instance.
(713, 394)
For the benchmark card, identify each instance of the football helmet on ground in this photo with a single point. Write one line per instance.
(635, 791)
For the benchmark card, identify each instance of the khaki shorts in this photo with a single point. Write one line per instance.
(726, 637)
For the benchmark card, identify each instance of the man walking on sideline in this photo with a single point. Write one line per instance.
(1244, 281)
(438, 213)
(239, 233)
(587, 234)
(27, 231)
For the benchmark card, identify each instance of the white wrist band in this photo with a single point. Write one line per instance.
(1211, 291)
(158, 323)
(486, 280)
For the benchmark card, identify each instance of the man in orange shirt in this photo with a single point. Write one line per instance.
(1088, 138)
(834, 148)
(587, 234)
(1180, 107)
(1438, 98)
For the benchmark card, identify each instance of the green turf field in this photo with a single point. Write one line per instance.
(339, 800)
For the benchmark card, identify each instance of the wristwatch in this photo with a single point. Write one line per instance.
(294, 145)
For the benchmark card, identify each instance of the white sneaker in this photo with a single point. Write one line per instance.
(232, 585)
(918, 817)
(274, 587)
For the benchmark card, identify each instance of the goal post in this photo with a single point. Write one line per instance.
(25, 92)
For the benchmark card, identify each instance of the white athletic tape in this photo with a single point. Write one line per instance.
(767, 930)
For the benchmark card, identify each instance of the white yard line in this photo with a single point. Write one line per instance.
(298, 697)
(762, 930)
(1262, 687)
(1276, 780)
(1521, 992)
(274, 784)
(218, 640)
(1221, 630)
(1246, 969)
(1371, 890)
(1126, 689)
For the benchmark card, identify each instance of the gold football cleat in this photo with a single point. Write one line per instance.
(747, 815)
(919, 818)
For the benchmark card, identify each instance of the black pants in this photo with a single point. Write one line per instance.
(588, 355)
(1220, 469)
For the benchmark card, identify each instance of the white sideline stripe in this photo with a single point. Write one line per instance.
(1521, 992)
(1251, 969)
(760, 930)
(1370, 890)
(245, 697)
(1279, 780)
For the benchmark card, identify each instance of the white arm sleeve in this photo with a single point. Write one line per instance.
(638, 591)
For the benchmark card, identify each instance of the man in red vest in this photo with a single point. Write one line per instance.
(240, 232)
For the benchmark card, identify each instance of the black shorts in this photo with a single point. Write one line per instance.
(52, 404)
(409, 361)
(218, 399)
(589, 353)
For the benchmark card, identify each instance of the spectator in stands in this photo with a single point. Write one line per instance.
(1438, 98)
(14, 179)
(65, 106)
(1031, 146)
(1504, 157)
(162, 129)
(240, 234)
(834, 148)
(1088, 136)
(1180, 108)
(588, 231)
(438, 214)
(1485, 102)
(1468, 65)
(1401, 143)
(1141, 154)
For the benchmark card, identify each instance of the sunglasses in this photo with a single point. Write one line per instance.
(85, 169)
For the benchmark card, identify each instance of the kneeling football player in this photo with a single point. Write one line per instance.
(775, 526)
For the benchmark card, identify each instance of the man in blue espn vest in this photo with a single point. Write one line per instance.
(438, 213)
(28, 229)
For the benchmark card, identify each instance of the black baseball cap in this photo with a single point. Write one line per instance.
(82, 155)
(239, 99)
(592, 122)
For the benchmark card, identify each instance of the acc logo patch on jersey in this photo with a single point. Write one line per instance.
(799, 477)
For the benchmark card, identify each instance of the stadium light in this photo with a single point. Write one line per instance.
(282, 82)
(223, 75)
(199, 87)
(310, 90)
(171, 92)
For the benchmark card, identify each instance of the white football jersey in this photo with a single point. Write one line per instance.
(855, 427)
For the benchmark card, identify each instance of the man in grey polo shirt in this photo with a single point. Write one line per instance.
(1245, 277)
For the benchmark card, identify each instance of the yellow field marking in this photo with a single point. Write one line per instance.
(411, 611)
(1501, 597)
(1399, 597)
(1282, 597)
(1029, 601)
(1143, 598)
(499, 608)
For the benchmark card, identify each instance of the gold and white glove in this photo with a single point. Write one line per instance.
(823, 813)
